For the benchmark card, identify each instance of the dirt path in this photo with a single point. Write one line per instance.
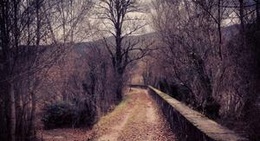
(136, 118)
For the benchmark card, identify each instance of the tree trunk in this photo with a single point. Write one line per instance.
(241, 15)
(32, 118)
(12, 112)
(119, 87)
(258, 13)
(219, 29)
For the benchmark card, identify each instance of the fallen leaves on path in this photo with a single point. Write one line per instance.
(65, 135)
(137, 118)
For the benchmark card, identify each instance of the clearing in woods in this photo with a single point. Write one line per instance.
(137, 118)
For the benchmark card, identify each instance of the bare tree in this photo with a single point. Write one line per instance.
(123, 18)
(188, 47)
(69, 20)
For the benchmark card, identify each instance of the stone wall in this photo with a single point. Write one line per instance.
(190, 125)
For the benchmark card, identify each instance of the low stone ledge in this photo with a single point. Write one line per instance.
(191, 125)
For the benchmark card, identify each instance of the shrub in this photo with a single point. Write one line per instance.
(63, 114)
